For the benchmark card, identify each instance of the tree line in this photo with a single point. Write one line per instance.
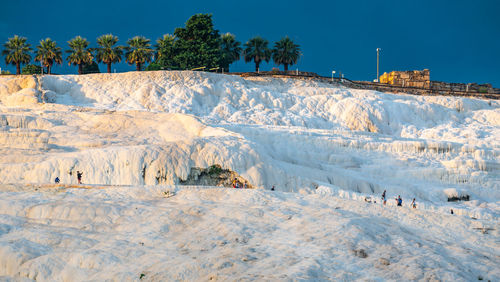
(197, 45)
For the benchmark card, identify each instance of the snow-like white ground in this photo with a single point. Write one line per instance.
(324, 147)
(119, 233)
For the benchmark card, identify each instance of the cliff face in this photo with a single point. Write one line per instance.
(164, 128)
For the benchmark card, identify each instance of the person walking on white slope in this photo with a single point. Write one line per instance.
(383, 198)
(399, 201)
(413, 204)
(79, 176)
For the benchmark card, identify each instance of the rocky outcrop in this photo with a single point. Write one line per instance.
(214, 175)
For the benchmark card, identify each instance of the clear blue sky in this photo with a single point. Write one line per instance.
(458, 40)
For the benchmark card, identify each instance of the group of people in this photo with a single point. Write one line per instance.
(238, 184)
(79, 175)
(399, 201)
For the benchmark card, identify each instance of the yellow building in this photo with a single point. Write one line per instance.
(420, 79)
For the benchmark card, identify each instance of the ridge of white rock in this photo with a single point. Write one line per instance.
(295, 134)
(136, 128)
(135, 135)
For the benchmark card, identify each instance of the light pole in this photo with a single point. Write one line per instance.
(378, 51)
(333, 72)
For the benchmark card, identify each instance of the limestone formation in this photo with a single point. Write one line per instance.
(214, 176)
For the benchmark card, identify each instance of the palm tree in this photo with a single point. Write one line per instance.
(139, 51)
(79, 53)
(106, 53)
(17, 52)
(164, 45)
(230, 50)
(48, 53)
(256, 50)
(286, 52)
(165, 51)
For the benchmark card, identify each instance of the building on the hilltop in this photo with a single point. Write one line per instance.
(420, 79)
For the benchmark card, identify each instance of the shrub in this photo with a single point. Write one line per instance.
(215, 169)
(483, 89)
(90, 68)
(32, 69)
(153, 67)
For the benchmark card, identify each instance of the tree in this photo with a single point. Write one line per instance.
(107, 52)
(48, 53)
(286, 52)
(139, 51)
(198, 44)
(79, 53)
(165, 52)
(17, 52)
(154, 67)
(256, 50)
(230, 50)
(32, 69)
(93, 67)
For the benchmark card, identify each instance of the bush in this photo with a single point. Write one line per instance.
(5, 72)
(483, 89)
(32, 69)
(153, 67)
(157, 66)
(90, 68)
(215, 170)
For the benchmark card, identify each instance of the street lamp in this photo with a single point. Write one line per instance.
(378, 51)
(333, 72)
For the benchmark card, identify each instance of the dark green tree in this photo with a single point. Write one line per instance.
(286, 52)
(230, 50)
(256, 49)
(164, 53)
(48, 53)
(32, 69)
(107, 52)
(154, 67)
(197, 44)
(93, 67)
(79, 54)
(17, 52)
(139, 51)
